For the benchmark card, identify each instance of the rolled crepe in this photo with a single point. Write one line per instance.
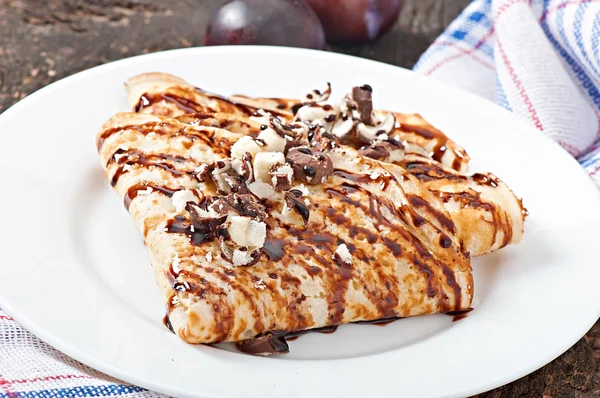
(487, 214)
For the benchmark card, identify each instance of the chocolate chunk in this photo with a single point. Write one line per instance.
(380, 149)
(311, 167)
(293, 203)
(219, 206)
(321, 140)
(282, 182)
(231, 175)
(203, 171)
(295, 142)
(246, 205)
(203, 224)
(281, 177)
(236, 184)
(374, 152)
(270, 343)
(364, 103)
(243, 167)
(281, 129)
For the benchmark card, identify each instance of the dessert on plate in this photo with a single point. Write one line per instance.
(265, 217)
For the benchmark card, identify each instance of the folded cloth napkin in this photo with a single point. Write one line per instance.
(539, 59)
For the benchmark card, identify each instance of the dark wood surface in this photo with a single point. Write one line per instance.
(43, 41)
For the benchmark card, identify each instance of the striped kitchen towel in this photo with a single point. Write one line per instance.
(539, 59)
(30, 368)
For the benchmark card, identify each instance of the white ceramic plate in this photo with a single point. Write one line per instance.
(74, 270)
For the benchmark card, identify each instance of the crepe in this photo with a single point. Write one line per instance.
(337, 250)
(487, 214)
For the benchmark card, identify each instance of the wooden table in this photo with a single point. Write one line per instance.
(43, 41)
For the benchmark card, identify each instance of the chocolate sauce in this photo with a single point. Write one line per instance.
(273, 248)
(430, 133)
(292, 336)
(485, 180)
(301, 208)
(444, 220)
(324, 330)
(381, 179)
(167, 322)
(149, 160)
(145, 129)
(180, 225)
(379, 322)
(356, 230)
(429, 171)
(186, 105)
(343, 196)
(416, 218)
(374, 210)
(393, 246)
(438, 152)
(458, 315)
(445, 241)
(132, 192)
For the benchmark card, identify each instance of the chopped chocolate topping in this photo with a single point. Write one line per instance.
(364, 103)
(295, 142)
(203, 171)
(203, 222)
(312, 167)
(243, 167)
(270, 343)
(281, 177)
(246, 205)
(374, 151)
(321, 140)
(236, 183)
(281, 129)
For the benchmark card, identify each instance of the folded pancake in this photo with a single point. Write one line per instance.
(410, 128)
(168, 95)
(488, 216)
(251, 235)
